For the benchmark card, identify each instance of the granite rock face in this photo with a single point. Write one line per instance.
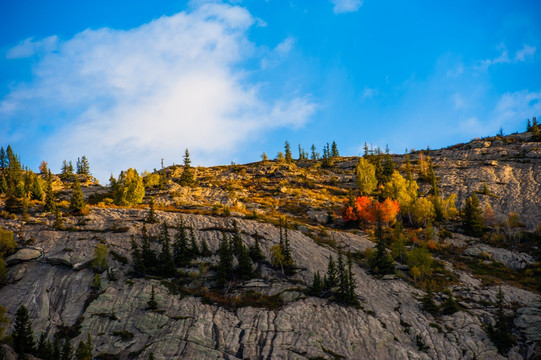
(388, 325)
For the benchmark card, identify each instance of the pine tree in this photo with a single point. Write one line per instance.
(331, 278)
(472, 218)
(237, 240)
(180, 246)
(334, 150)
(152, 304)
(36, 192)
(66, 170)
(449, 306)
(84, 349)
(246, 269)
(314, 155)
(351, 297)
(44, 348)
(500, 333)
(381, 263)
(317, 285)
(288, 156)
(83, 167)
(151, 217)
(137, 259)
(528, 126)
(56, 348)
(343, 284)
(167, 265)
(288, 259)
(147, 254)
(23, 336)
(225, 263)
(194, 249)
(187, 178)
(3, 158)
(77, 201)
(205, 251)
(255, 250)
(67, 350)
(151, 356)
(427, 301)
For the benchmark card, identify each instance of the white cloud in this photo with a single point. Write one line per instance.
(278, 54)
(345, 6)
(458, 101)
(525, 53)
(139, 95)
(369, 93)
(516, 107)
(29, 47)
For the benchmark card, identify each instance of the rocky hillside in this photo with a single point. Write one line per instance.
(273, 315)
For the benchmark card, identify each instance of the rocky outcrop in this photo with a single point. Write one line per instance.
(388, 325)
(23, 255)
(512, 260)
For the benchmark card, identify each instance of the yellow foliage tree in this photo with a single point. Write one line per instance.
(422, 211)
(129, 188)
(398, 188)
(365, 175)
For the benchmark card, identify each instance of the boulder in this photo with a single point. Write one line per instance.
(23, 255)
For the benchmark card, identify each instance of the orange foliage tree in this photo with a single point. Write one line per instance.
(365, 209)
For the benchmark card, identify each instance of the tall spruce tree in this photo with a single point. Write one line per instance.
(152, 304)
(187, 178)
(151, 217)
(255, 250)
(77, 201)
(472, 217)
(181, 253)
(147, 254)
(224, 271)
(246, 269)
(288, 156)
(331, 278)
(84, 349)
(137, 259)
(500, 333)
(194, 249)
(83, 168)
(334, 150)
(167, 265)
(381, 263)
(23, 336)
(67, 350)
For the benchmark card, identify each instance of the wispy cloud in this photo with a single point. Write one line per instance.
(278, 54)
(29, 47)
(525, 53)
(521, 55)
(129, 98)
(345, 6)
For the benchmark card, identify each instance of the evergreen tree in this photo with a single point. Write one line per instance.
(67, 350)
(77, 201)
(334, 150)
(255, 250)
(381, 263)
(36, 192)
(83, 168)
(408, 169)
(351, 297)
(528, 126)
(151, 356)
(137, 259)
(225, 263)
(314, 155)
(205, 251)
(187, 178)
(147, 254)
(181, 253)
(66, 171)
(151, 217)
(167, 265)
(331, 278)
(56, 348)
(500, 333)
(245, 269)
(288, 259)
(472, 217)
(84, 349)
(317, 285)
(50, 204)
(288, 156)
(388, 167)
(237, 240)
(343, 284)
(449, 306)
(427, 301)
(44, 348)
(23, 336)
(152, 304)
(3, 158)
(194, 249)
(327, 159)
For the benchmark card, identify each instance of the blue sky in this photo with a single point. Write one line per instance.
(127, 83)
